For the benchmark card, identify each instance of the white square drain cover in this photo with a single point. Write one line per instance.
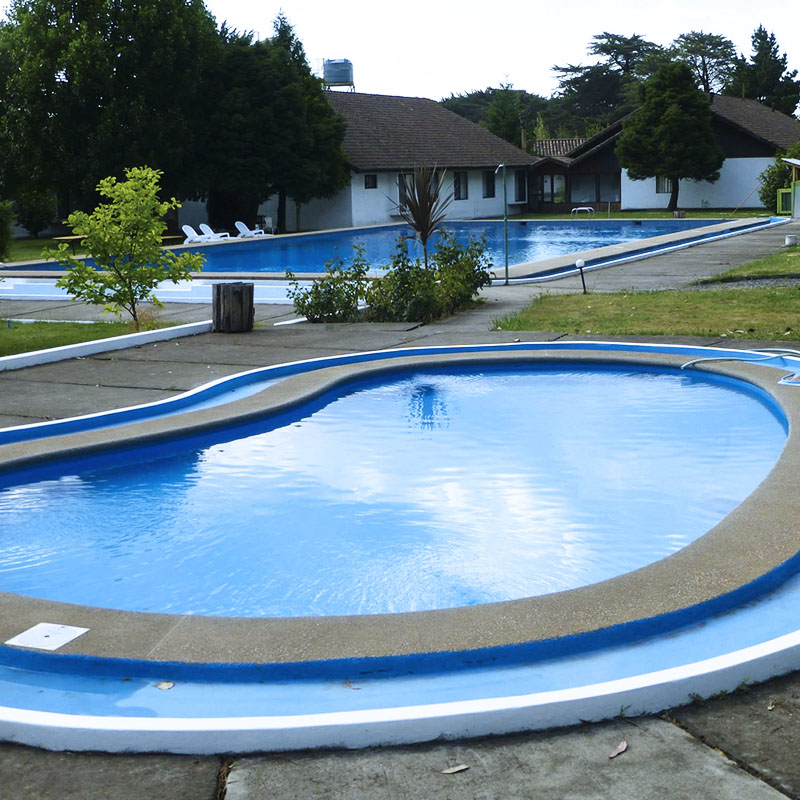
(47, 636)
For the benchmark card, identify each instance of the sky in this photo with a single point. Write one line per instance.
(435, 48)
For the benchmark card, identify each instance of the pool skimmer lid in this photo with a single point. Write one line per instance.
(47, 636)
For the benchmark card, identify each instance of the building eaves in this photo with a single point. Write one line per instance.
(389, 133)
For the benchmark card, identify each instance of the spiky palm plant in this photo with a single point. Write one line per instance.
(425, 206)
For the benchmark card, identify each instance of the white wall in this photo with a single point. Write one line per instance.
(355, 206)
(374, 206)
(377, 206)
(737, 187)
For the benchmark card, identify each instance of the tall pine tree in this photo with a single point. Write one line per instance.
(671, 135)
(765, 77)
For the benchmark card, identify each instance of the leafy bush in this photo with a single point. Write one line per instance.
(407, 293)
(777, 176)
(335, 297)
(462, 270)
(6, 231)
(36, 209)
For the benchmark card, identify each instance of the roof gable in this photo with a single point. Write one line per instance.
(400, 133)
(760, 121)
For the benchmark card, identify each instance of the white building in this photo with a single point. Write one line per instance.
(387, 137)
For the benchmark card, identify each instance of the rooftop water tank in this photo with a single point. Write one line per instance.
(337, 72)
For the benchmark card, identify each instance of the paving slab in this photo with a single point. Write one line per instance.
(28, 774)
(111, 371)
(662, 761)
(37, 400)
(757, 727)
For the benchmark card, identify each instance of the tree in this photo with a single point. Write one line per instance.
(123, 237)
(604, 92)
(765, 77)
(424, 207)
(712, 58)
(671, 135)
(238, 166)
(777, 176)
(503, 117)
(88, 87)
(306, 144)
(35, 209)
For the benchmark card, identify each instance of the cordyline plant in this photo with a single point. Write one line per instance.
(425, 206)
(123, 237)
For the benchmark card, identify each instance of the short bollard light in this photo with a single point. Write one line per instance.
(580, 264)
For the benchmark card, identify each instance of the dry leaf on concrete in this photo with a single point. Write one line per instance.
(620, 748)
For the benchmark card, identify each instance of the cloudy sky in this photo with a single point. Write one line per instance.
(435, 48)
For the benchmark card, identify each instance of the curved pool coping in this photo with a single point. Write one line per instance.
(752, 549)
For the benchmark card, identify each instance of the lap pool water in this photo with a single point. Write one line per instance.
(432, 489)
(528, 241)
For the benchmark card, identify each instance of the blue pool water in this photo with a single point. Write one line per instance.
(527, 241)
(427, 490)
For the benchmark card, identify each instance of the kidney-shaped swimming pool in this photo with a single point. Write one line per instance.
(423, 489)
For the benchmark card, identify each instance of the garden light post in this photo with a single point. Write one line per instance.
(580, 264)
(505, 214)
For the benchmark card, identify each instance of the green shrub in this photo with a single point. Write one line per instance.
(335, 297)
(36, 209)
(6, 229)
(777, 176)
(407, 293)
(462, 271)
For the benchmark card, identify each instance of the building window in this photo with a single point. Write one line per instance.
(583, 189)
(663, 185)
(520, 186)
(554, 189)
(609, 186)
(460, 186)
(488, 183)
(405, 181)
(370, 181)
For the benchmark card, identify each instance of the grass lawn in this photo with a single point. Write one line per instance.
(785, 263)
(28, 249)
(763, 313)
(745, 313)
(22, 337)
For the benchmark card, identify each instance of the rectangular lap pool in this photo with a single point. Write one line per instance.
(527, 241)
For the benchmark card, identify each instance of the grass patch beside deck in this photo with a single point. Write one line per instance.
(779, 265)
(759, 313)
(24, 337)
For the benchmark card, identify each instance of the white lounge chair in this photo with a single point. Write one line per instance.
(212, 236)
(192, 236)
(245, 232)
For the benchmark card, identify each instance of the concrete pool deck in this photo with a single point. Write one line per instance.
(757, 728)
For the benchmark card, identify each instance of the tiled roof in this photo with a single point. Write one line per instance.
(400, 133)
(557, 147)
(761, 121)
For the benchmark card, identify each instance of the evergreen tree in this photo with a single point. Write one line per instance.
(306, 152)
(671, 135)
(238, 166)
(604, 92)
(765, 77)
(712, 58)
